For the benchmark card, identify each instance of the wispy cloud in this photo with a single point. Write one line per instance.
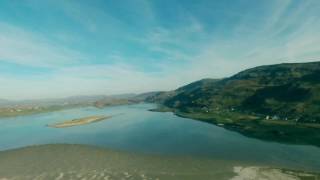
(291, 34)
(26, 48)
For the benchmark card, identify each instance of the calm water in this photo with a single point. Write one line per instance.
(134, 128)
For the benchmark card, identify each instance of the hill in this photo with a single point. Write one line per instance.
(274, 97)
(288, 91)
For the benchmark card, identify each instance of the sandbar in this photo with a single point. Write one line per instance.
(79, 121)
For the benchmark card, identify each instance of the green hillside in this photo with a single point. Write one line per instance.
(274, 97)
(289, 91)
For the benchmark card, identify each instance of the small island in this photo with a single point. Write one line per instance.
(80, 121)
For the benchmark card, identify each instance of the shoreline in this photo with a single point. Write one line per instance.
(267, 130)
(7, 114)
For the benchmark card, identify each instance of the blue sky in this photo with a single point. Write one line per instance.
(59, 48)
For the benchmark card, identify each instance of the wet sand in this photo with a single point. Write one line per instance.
(86, 162)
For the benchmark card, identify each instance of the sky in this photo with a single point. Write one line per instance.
(60, 48)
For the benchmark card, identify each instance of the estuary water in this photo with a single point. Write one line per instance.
(135, 129)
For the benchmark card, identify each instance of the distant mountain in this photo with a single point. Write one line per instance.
(26, 107)
(72, 100)
(290, 91)
(144, 96)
